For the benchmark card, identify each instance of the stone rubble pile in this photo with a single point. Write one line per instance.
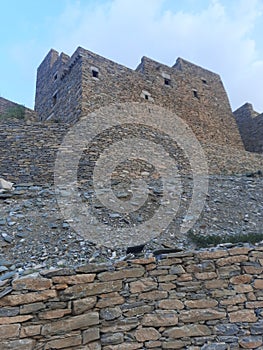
(33, 231)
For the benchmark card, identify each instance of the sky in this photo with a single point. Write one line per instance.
(224, 36)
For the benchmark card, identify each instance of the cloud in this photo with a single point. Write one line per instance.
(220, 36)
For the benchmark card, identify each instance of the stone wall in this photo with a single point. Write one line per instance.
(11, 109)
(71, 87)
(58, 87)
(204, 300)
(250, 124)
(28, 153)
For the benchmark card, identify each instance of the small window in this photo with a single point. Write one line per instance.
(195, 94)
(204, 81)
(146, 96)
(54, 99)
(55, 76)
(95, 74)
(167, 81)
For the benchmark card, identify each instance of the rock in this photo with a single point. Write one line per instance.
(147, 333)
(242, 316)
(226, 329)
(5, 292)
(112, 339)
(252, 342)
(187, 331)
(257, 328)
(110, 313)
(217, 346)
(7, 275)
(7, 238)
(5, 185)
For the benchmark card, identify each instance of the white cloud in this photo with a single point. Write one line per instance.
(219, 37)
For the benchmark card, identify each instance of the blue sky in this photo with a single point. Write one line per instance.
(224, 36)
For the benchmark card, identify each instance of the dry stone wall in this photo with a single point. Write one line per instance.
(201, 300)
(11, 109)
(29, 149)
(250, 124)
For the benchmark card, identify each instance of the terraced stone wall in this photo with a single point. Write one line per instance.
(28, 153)
(11, 109)
(203, 300)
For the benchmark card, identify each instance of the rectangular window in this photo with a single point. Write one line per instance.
(95, 73)
(195, 94)
(167, 81)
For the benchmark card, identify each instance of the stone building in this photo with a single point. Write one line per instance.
(71, 87)
(250, 124)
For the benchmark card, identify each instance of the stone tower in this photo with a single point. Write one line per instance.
(71, 87)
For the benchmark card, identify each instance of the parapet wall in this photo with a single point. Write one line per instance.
(202, 300)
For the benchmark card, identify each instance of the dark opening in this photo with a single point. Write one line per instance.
(95, 74)
(54, 99)
(204, 81)
(146, 97)
(195, 94)
(167, 81)
(55, 76)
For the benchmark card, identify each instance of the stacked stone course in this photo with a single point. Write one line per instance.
(28, 153)
(6, 106)
(196, 300)
(250, 124)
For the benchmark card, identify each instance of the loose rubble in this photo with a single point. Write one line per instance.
(34, 234)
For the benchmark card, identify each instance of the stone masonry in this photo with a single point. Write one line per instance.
(250, 124)
(9, 108)
(29, 149)
(71, 87)
(198, 300)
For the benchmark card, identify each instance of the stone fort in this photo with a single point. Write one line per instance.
(70, 87)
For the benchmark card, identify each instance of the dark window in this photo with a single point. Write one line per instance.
(95, 73)
(195, 94)
(54, 100)
(146, 97)
(167, 81)
(55, 76)
(204, 81)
